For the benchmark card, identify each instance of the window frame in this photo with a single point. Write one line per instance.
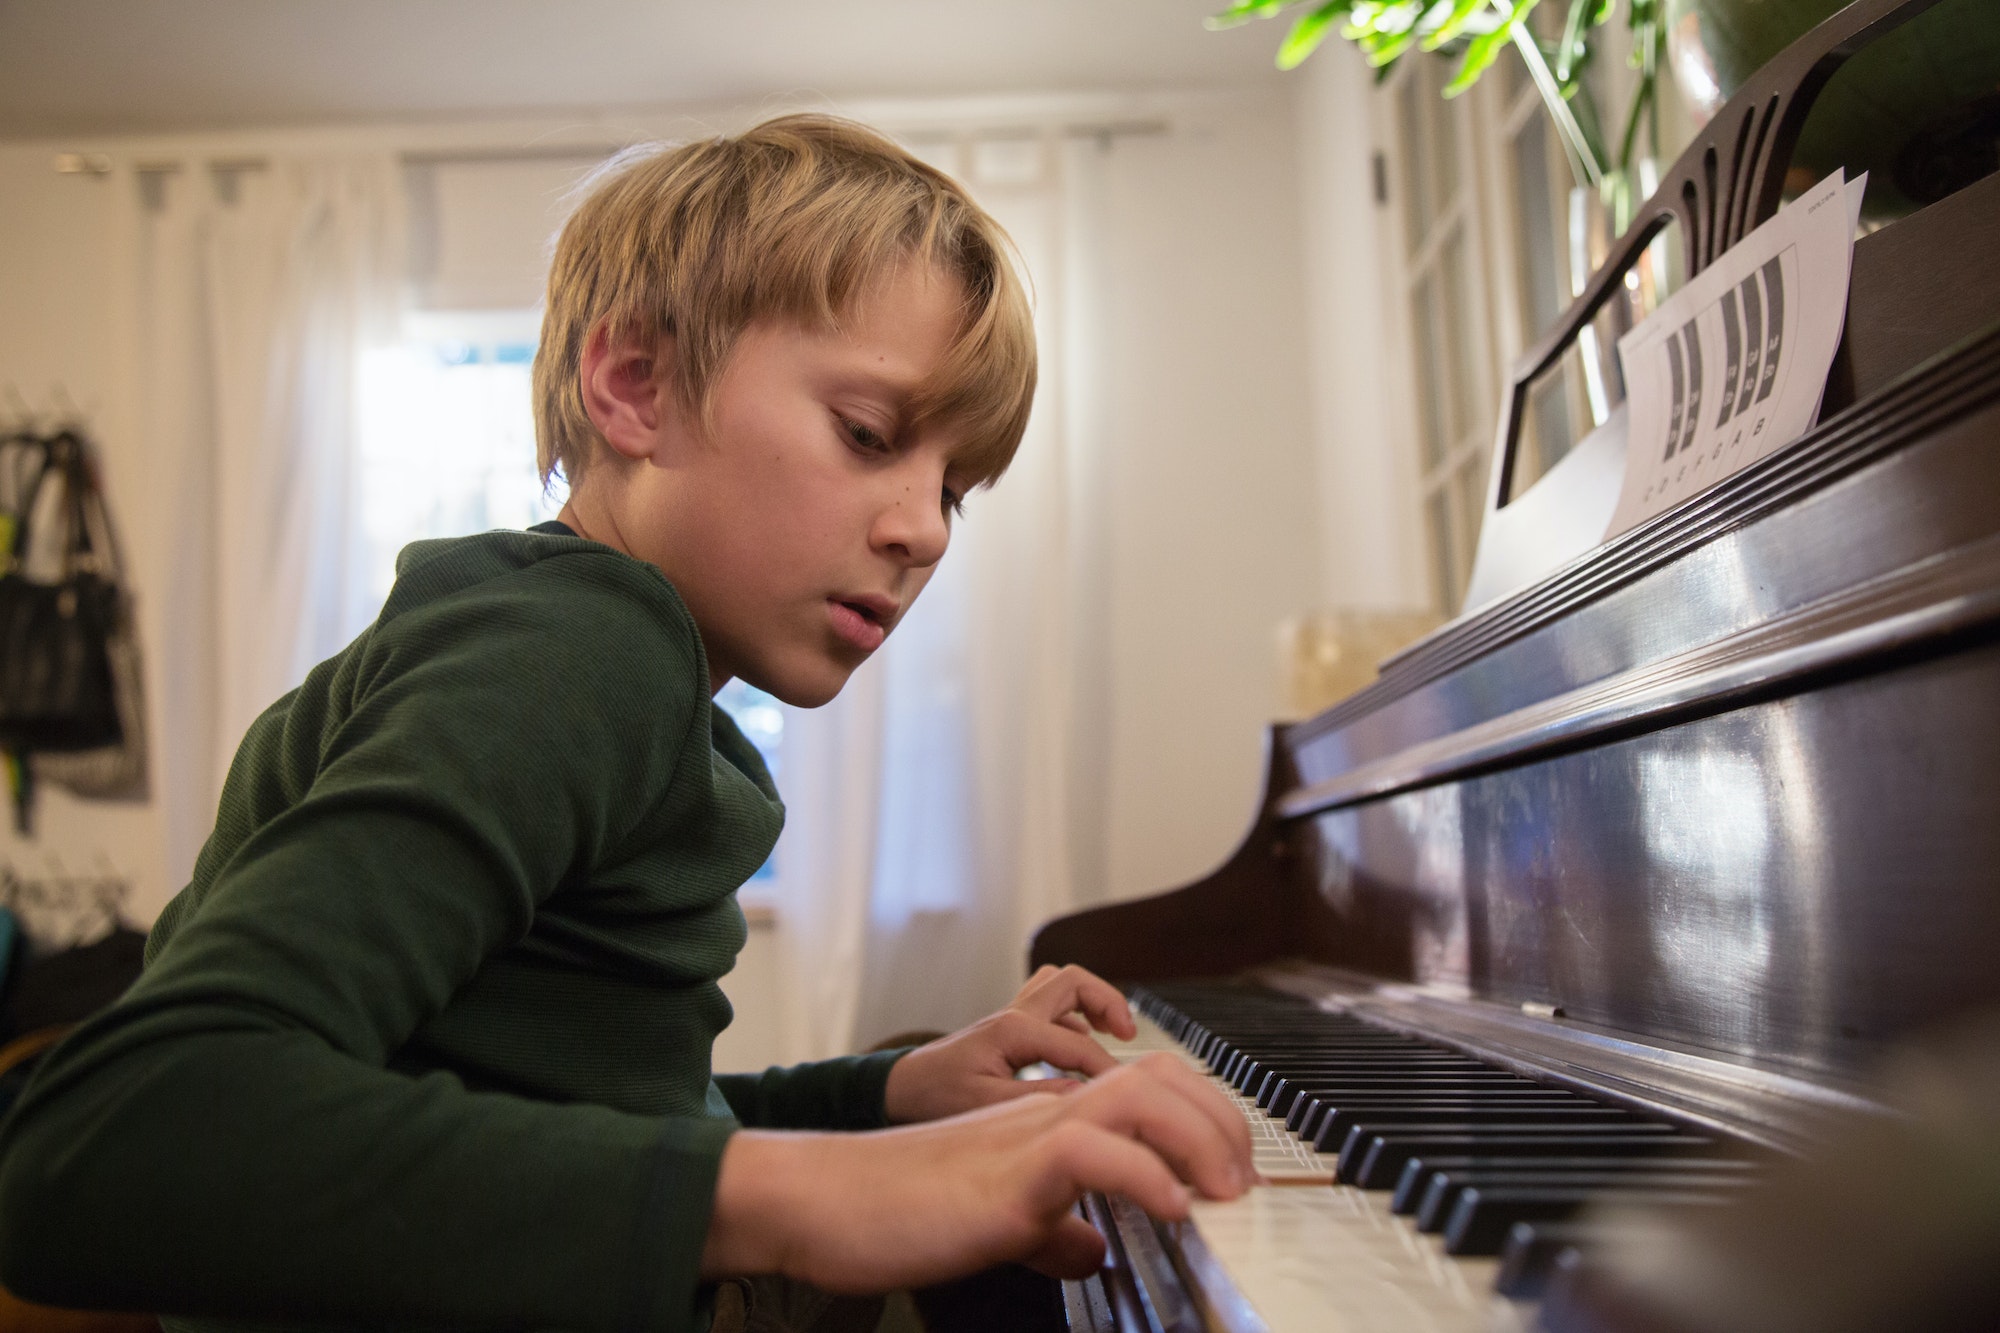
(1482, 127)
(1455, 484)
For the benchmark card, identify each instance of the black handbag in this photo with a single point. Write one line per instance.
(56, 686)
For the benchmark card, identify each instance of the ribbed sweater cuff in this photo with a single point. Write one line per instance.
(673, 1227)
(871, 1082)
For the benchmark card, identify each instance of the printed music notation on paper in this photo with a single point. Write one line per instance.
(1734, 364)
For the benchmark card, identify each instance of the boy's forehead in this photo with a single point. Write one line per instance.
(912, 289)
(897, 333)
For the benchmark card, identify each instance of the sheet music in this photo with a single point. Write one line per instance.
(1734, 364)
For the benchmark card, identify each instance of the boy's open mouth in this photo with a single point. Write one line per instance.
(862, 623)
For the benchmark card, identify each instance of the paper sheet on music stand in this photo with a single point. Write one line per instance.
(1733, 365)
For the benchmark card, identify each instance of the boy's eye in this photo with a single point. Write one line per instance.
(865, 438)
(953, 503)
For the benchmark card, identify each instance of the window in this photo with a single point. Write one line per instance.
(761, 719)
(1440, 247)
(1491, 244)
(1560, 236)
(448, 436)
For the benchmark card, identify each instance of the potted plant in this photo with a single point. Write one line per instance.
(1477, 31)
(1918, 110)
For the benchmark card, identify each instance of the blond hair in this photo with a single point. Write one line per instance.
(788, 220)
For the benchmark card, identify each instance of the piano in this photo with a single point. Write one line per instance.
(1568, 951)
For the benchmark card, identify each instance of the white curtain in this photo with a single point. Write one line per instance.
(947, 802)
(256, 289)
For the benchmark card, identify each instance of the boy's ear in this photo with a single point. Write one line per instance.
(627, 390)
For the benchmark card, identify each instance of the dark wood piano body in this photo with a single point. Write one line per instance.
(1726, 787)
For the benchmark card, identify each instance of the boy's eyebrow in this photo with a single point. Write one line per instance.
(898, 389)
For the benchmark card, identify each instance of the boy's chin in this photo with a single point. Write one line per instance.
(803, 687)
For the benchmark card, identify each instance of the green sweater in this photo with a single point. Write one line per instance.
(425, 1042)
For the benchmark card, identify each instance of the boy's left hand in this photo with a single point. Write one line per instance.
(1048, 1020)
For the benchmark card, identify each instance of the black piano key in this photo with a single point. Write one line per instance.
(1414, 1184)
(1383, 1155)
(1420, 1099)
(1529, 1255)
(1309, 1113)
(1480, 1222)
(1299, 1036)
(1253, 1068)
(1282, 1082)
(1258, 1065)
(1346, 1105)
(1315, 1079)
(1337, 1062)
(1306, 1098)
(1272, 1090)
(1342, 1126)
(1335, 1058)
(1361, 1130)
(1447, 1187)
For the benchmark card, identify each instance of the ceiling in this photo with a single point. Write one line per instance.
(72, 67)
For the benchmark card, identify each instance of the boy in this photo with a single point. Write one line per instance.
(426, 1039)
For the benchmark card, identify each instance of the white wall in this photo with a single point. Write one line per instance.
(1225, 467)
(1259, 461)
(1212, 536)
(1367, 502)
(60, 335)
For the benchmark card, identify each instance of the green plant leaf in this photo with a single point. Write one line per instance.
(1367, 18)
(1462, 13)
(1586, 57)
(1382, 48)
(1243, 11)
(1309, 32)
(1589, 124)
(1573, 51)
(1484, 49)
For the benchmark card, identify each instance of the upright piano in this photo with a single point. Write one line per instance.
(1557, 970)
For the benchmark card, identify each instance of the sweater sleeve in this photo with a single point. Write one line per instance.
(228, 1139)
(845, 1093)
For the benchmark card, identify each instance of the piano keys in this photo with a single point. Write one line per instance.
(1484, 1184)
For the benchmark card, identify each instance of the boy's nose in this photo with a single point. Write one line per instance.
(912, 527)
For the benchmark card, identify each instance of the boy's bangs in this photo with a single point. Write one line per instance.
(986, 386)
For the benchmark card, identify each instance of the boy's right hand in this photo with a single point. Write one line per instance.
(913, 1206)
